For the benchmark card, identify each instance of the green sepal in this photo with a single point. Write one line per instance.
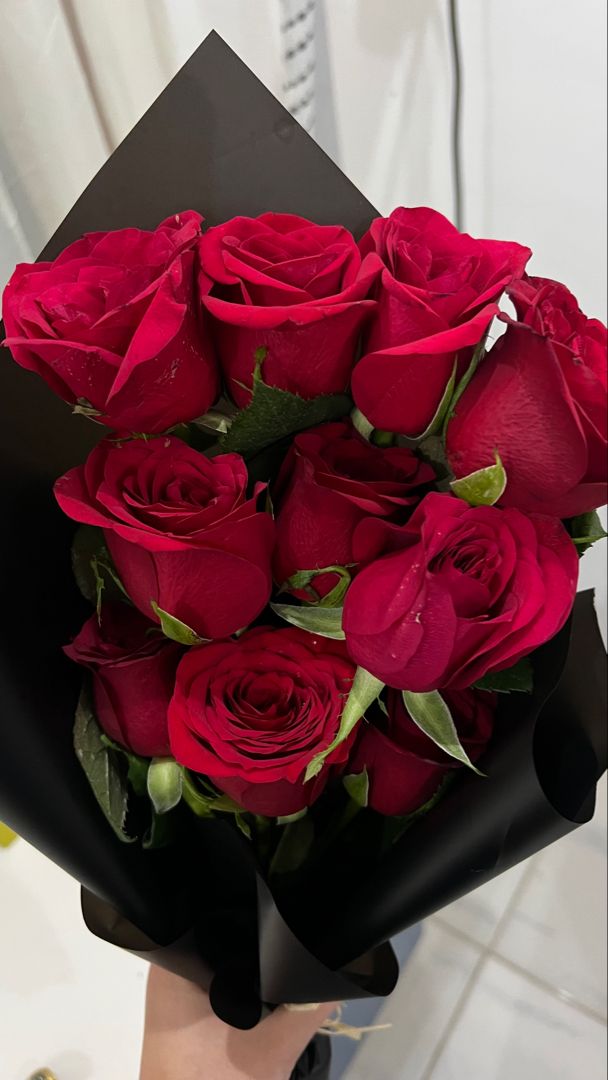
(137, 767)
(288, 819)
(102, 766)
(364, 690)
(518, 678)
(357, 786)
(586, 529)
(431, 714)
(206, 805)
(273, 414)
(165, 784)
(174, 628)
(484, 487)
(325, 621)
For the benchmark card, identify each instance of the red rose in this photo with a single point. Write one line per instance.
(404, 766)
(112, 325)
(459, 591)
(332, 479)
(296, 288)
(180, 529)
(251, 713)
(437, 294)
(539, 399)
(133, 677)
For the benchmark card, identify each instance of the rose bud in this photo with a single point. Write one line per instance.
(296, 288)
(180, 529)
(332, 479)
(457, 592)
(113, 326)
(405, 767)
(539, 400)
(250, 714)
(436, 291)
(133, 668)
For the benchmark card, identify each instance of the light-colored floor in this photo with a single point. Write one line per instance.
(508, 984)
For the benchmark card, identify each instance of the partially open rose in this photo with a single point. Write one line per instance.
(332, 480)
(457, 592)
(133, 675)
(180, 529)
(296, 288)
(250, 714)
(404, 766)
(113, 325)
(437, 291)
(540, 400)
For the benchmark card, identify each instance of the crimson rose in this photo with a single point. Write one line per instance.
(332, 479)
(180, 529)
(297, 288)
(112, 325)
(404, 766)
(539, 399)
(251, 713)
(457, 592)
(437, 294)
(133, 677)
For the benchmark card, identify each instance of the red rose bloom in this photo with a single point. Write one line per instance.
(539, 399)
(437, 294)
(133, 677)
(180, 529)
(250, 714)
(457, 592)
(332, 479)
(112, 324)
(297, 288)
(404, 766)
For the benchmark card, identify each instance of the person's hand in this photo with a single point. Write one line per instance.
(184, 1040)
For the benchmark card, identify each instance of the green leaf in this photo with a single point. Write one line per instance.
(165, 783)
(293, 847)
(520, 678)
(101, 766)
(586, 529)
(357, 786)
(273, 414)
(483, 487)
(174, 628)
(477, 357)
(302, 579)
(364, 690)
(92, 566)
(137, 767)
(430, 712)
(317, 620)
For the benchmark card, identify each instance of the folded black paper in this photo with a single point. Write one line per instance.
(216, 141)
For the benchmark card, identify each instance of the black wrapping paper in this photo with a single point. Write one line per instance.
(216, 141)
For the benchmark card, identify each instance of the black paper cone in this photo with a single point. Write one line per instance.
(218, 142)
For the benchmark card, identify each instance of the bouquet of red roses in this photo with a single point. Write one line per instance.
(324, 531)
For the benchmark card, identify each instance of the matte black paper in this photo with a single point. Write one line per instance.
(216, 141)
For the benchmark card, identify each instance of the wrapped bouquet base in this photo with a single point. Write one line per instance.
(211, 906)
